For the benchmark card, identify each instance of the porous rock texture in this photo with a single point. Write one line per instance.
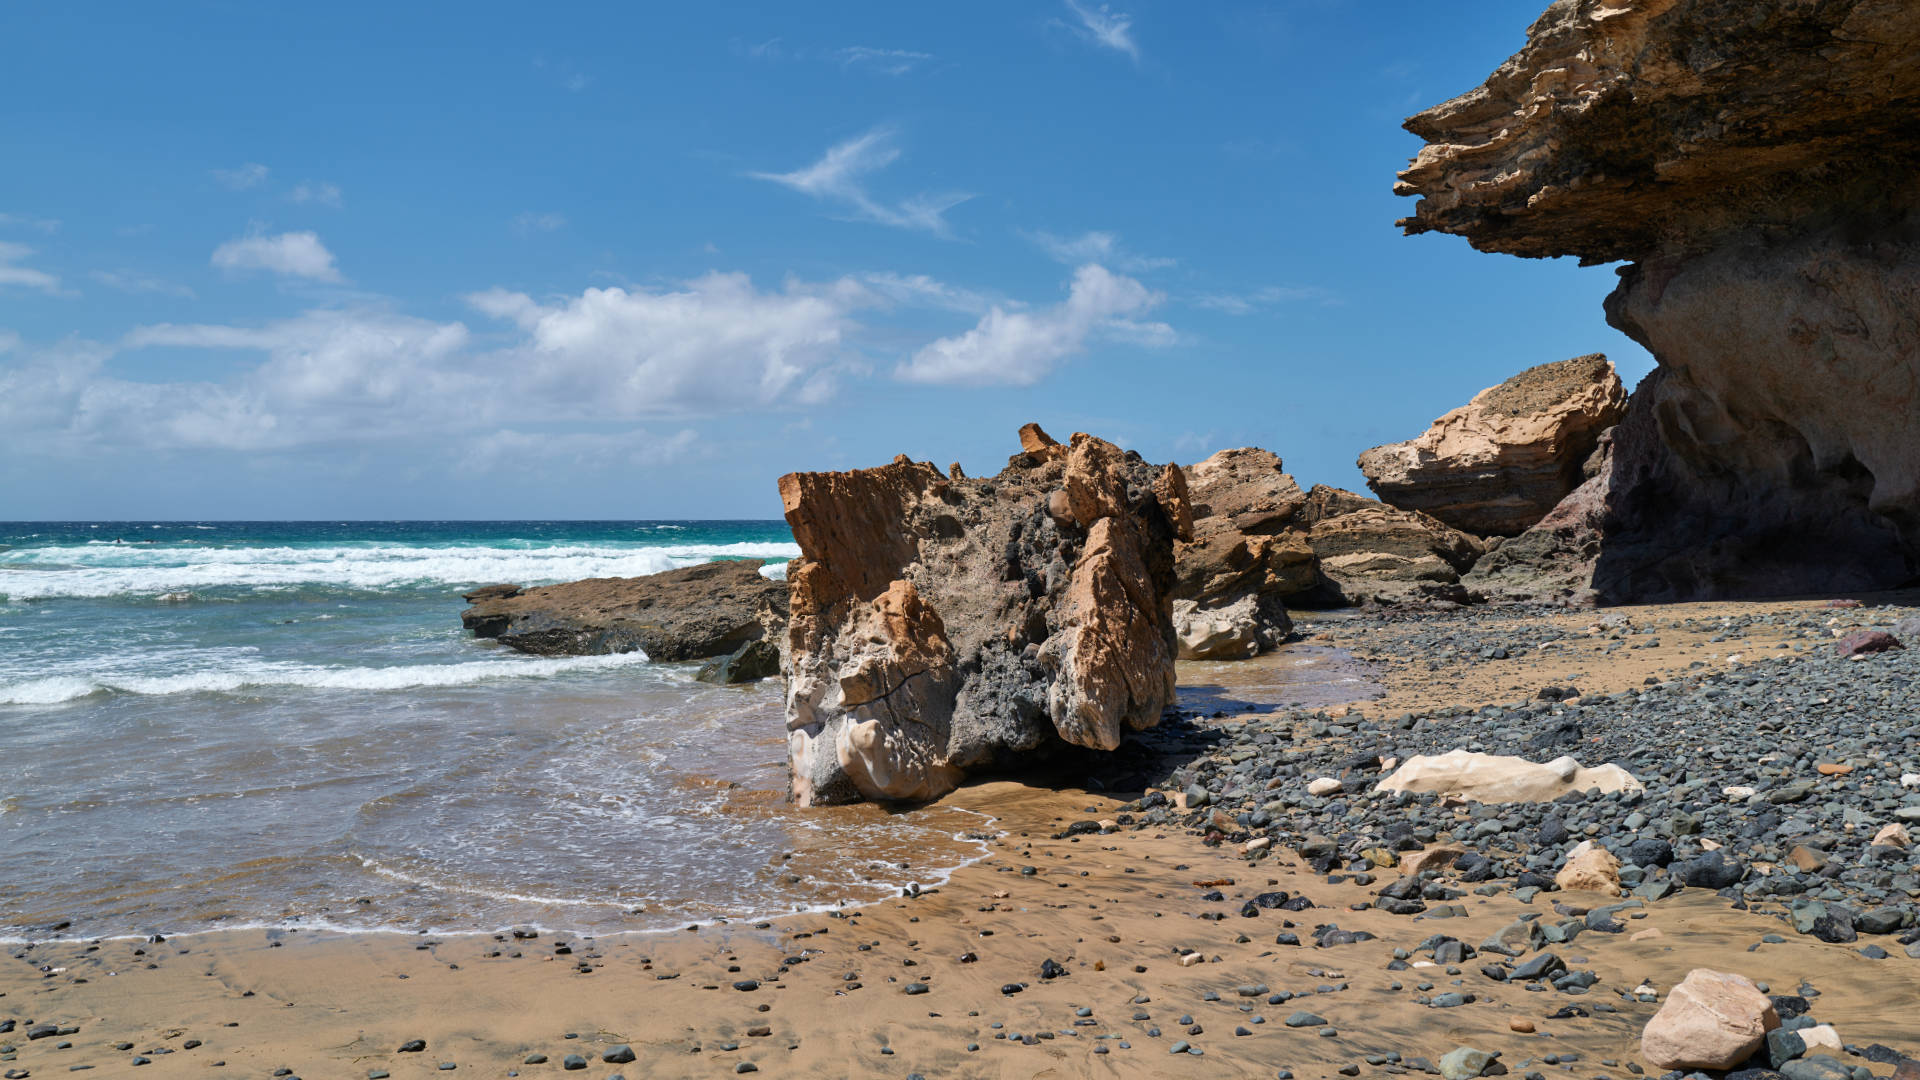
(1753, 162)
(1369, 551)
(1244, 559)
(943, 624)
(690, 613)
(1499, 463)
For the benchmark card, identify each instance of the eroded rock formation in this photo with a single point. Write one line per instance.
(1244, 559)
(1499, 463)
(942, 624)
(1368, 550)
(690, 613)
(1753, 162)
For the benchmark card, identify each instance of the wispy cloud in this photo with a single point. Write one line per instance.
(1019, 348)
(1105, 27)
(919, 290)
(1266, 297)
(839, 177)
(28, 221)
(129, 281)
(851, 57)
(293, 254)
(314, 191)
(26, 277)
(250, 175)
(529, 222)
(1100, 247)
(884, 61)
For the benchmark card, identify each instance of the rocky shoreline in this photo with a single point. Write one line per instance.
(1112, 932)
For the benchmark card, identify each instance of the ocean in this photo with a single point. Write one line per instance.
(217, 725)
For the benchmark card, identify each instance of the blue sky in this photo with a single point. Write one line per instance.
(637, 260)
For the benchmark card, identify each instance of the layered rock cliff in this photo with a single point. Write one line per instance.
(1754, 163)
(942, 624)
(1499, 463)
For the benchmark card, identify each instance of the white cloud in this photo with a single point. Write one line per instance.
(130, 281)
(314, 191)
(1105, 27)
(837, 177)
(919, 290)
(1019, 348)
(293, 254)
(884, 61)
(250, 175)
(11, 273)
(28, 221)
(529, 222)
(1266, 297)
(717, 344)
(1100, 247)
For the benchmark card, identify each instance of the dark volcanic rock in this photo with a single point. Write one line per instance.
(756, 660)
(1753, 162)
(942, 624)
(686, 614)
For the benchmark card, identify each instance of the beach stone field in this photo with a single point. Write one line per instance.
(1251, 890)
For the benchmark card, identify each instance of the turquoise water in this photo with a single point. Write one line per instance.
(218, 724)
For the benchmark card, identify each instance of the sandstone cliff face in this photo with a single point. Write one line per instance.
(1498, 464)
(690, 613)
(941, 624)
(1754, 161)
(1243, 561)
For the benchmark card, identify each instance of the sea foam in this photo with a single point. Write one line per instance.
(263, 675)
(106, 570)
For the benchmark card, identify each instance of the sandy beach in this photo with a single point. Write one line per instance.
(951, 983)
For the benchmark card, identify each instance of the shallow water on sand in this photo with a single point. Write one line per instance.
(300, 733)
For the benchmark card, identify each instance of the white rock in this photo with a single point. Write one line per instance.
(1894, 835)
(1738, 793)
(1910, 780)
(1486, 778)
(1258, 843)
(1822, 1037)
(1324, 786)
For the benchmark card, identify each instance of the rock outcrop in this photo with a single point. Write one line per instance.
(1498, 464)
(1753, 162)
(1244, 559)
(691, 613)
(1369, 551)
(943, 624)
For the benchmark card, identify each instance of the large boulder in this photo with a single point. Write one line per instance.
(1753, 163)
(943, 624)
(1712, 1020)
(1244, 559)
(690, 613)
(1499, 463)
(1369, 551)
(1489, 778)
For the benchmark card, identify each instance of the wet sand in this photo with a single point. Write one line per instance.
(1116, 911)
